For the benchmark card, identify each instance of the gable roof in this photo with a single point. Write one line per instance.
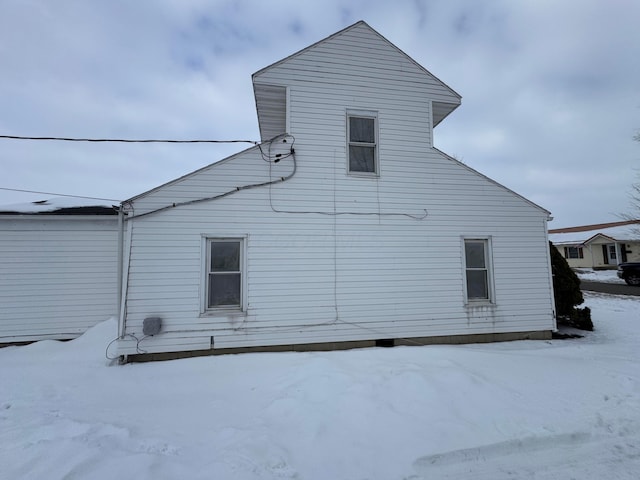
(271, 99)
(594, 227)
(189, 174)
(494, 182)
(628, 230)
(270, 96)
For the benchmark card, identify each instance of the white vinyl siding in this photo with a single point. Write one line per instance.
(59, 276)
(324, 278)
(271, 104)
(349, 260)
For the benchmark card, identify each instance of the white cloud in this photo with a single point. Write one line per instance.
(548, 87)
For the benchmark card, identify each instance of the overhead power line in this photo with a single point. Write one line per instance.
(58, 194)
(122, 140)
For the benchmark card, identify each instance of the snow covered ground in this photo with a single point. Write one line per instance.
(603, 276)
(559, 409)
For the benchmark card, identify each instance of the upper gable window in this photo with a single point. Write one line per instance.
(362, 136)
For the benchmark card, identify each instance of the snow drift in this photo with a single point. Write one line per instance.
(546, 410)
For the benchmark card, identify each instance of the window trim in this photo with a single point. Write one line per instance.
(372, 114)
(488, 259)
(578, 249)
(207, 240)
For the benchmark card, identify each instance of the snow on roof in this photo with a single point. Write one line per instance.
(619, 231)
(60, 206)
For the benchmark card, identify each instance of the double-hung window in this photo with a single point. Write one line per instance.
(478, 270)
(362, 136)
(224, 273)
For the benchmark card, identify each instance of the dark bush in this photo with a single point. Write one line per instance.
(580, 318)
(567, 294)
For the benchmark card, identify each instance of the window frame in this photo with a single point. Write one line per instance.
(488, 268)
(579, 252)
(368, 114)
(207, 241)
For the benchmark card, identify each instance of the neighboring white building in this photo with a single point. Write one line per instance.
(603, 245)
(345, 227)
(58, 264)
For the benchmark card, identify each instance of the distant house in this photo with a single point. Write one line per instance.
(603, 245)
(345, 227)
(58, 265)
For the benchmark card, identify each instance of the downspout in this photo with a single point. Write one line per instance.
(123, 266)
(125, 257)
(120, 259)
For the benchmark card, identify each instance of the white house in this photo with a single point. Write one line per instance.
(58, 264)
(600, 246)
(345, 227)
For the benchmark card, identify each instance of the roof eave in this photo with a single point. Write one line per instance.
(535, 205)
(340, 32)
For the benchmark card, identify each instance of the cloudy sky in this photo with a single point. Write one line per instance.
(551, 89)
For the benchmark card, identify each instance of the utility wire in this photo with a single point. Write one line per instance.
(58, 194)
(274, 159)
(122, 140)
